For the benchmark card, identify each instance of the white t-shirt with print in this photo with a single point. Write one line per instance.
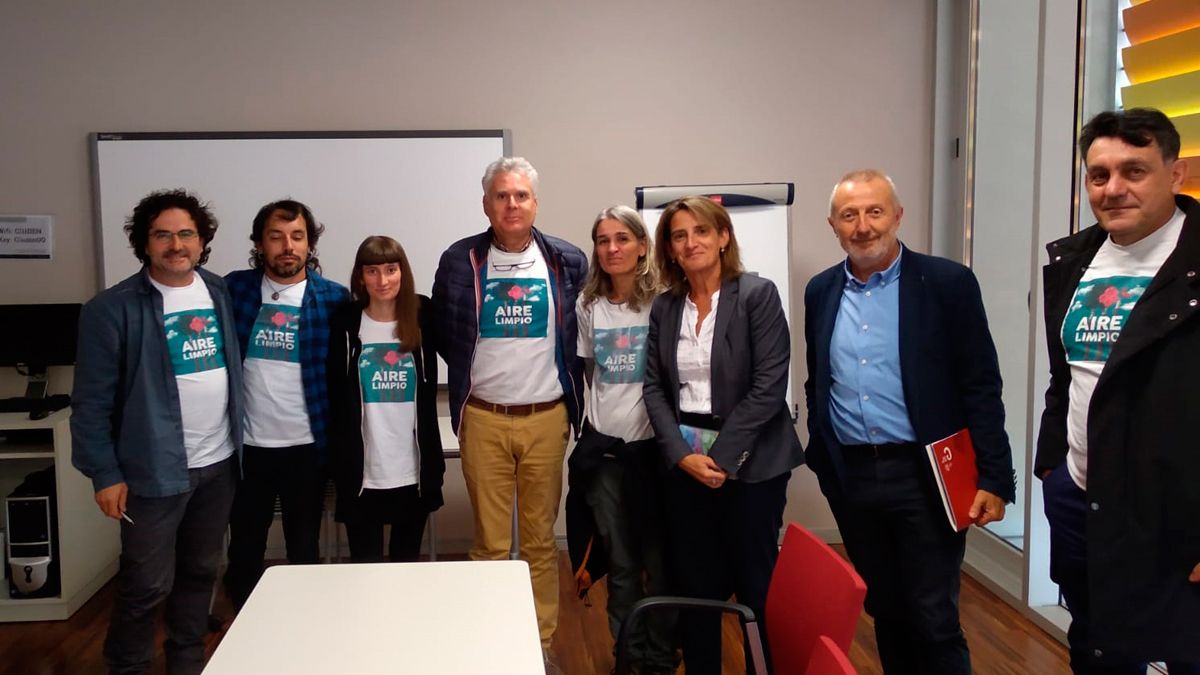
(197, 350)
(514, 358)
(388, 382)
(1101, 306)
(276, 411)
(615, 337)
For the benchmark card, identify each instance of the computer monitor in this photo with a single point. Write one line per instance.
(33, 337)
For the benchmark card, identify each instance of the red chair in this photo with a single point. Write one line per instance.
(828, 659)
(814, 592)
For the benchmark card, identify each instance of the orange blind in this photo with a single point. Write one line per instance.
(1163, 65)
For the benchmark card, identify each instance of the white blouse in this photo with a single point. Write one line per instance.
(693, 358)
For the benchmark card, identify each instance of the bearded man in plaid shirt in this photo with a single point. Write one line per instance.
(281, 310)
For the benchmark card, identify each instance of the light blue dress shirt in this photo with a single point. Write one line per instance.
(866, 402)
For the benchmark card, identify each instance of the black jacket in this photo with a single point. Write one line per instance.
(345, 399)
(1143, 532)
(641, 493)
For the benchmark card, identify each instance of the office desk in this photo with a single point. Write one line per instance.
(438, 617)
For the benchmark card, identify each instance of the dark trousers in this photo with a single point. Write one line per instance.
(723, 542)
(899, 539)
(636, 549)
(399, 507)
(1066, 511)
(296, 476)
(171, 550)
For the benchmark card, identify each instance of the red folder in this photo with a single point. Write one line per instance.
(957, 477)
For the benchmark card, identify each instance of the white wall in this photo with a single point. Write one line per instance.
(600, 96)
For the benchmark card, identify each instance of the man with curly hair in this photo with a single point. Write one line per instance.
(156, 424)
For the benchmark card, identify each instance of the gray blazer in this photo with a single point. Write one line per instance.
(750, 354)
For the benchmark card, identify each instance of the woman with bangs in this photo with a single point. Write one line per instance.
(615, 465)
(385, 447)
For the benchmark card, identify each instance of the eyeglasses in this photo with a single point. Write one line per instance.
(165, 237)
(523, 265)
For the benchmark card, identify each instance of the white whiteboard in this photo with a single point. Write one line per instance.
(420, 187)
(762, 230)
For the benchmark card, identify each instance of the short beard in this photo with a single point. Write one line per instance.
(283, 272)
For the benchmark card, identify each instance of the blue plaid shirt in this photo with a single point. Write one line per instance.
(321, 297)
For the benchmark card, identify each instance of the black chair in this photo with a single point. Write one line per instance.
(745, 616)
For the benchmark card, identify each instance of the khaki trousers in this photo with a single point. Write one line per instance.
(501, 453)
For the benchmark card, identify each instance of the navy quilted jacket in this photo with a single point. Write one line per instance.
(456, 300)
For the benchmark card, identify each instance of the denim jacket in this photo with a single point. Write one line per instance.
(126, 424)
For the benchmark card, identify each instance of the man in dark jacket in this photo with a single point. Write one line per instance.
(156, 425)
(505, 304)
(1116, 452)
(900, 356)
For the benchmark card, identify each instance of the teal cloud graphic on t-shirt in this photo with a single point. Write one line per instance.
(1097, 315)
(620, 354)
(386, 374)
(194, 341)
(514, 308)
(274, 335)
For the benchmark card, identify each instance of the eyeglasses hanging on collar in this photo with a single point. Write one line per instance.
(510, 267)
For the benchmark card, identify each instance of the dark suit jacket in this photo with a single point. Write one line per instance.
(750, 354)
(948, 368)
(1143, 536)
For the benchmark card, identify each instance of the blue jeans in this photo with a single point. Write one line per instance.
(1066, 510)
(171, 551)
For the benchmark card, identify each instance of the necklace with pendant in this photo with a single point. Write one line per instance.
(276, 291)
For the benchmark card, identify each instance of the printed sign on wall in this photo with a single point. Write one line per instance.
(26, 237)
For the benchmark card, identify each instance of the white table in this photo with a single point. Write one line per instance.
(437, 617)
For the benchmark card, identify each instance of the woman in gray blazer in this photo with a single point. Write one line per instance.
(715, 390)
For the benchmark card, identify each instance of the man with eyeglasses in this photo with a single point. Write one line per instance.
(156, 424)
(281, 309)
(505, 303)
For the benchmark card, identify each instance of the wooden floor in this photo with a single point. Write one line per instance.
(1002, 642)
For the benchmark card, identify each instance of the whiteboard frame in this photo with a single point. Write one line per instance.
(95, 139)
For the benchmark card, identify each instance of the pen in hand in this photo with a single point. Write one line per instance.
(125, 517)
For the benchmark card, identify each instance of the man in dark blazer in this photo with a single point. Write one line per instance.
(1117, 453)
(899, 356)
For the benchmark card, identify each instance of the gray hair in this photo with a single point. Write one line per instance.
(510, 165)
(864, 175)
